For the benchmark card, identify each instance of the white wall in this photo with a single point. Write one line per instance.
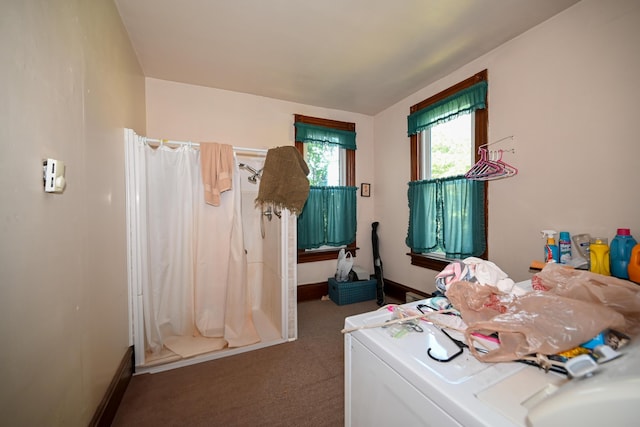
(568, 92)
(70, 83)
(185, 112)
(565, 90)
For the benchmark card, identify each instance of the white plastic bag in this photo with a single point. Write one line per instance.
(345, 263)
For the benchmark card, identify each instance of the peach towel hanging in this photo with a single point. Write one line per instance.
(216, 163)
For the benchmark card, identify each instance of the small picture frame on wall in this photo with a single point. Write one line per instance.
(365, 189)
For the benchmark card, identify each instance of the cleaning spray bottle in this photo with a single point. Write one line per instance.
(551, 253)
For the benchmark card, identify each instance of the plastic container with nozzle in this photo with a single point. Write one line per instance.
(620, 253)
(599, 254)
(551, 253)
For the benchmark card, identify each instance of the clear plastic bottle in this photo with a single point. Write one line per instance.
(582, 242)
(620, 253)
(599, 254)
(564, 247)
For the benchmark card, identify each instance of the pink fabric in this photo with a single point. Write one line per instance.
(216, 162)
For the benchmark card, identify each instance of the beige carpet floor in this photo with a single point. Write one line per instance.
(300, 383)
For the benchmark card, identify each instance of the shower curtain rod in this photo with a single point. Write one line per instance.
(197, 144)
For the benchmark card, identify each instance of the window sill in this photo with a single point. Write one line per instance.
(324, 255)
(433, 263)
(426, 261)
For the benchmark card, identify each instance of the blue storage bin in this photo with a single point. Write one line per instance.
(349, 292)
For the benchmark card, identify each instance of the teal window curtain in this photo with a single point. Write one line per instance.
(311, 221)
(329, 215)
(320, 134)
(462, 102)
(328, 218)
(447, 215)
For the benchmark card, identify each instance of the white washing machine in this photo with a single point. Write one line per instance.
(393, 381)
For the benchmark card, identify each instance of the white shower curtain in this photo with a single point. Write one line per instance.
(194, 284)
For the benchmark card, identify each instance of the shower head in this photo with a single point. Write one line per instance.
(256, 173)
(255, 177)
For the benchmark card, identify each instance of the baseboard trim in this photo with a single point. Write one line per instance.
(398, 291)
(106, 411)
(315, 291)
(312, 291)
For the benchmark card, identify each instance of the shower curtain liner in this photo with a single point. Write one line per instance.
(194, 267)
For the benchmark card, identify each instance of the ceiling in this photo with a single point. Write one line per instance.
(354, 55)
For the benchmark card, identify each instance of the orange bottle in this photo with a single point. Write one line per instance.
(634, 264)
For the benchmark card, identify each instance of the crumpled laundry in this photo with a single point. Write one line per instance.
(453, 272)
(476, 270)
(487, 273)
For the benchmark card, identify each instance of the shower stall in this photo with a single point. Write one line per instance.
(267, 248)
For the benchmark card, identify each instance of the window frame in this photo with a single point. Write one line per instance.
(350, 180)
(481, 121)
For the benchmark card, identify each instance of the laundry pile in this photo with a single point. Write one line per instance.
(475, 270)
(565, 309)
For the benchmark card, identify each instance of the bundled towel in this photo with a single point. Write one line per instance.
(284, 182)
(487, 273)
(453, 272)
(216, 163)
(475, 270)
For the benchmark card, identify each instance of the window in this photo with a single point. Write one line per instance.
(446, 131)
(326, 164)
(447, 149)
(328, 147)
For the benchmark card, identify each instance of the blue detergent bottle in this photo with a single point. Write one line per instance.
(564, 247)
(620, 253)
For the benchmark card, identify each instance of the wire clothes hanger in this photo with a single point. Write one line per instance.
(496, 142)
(491, 166)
